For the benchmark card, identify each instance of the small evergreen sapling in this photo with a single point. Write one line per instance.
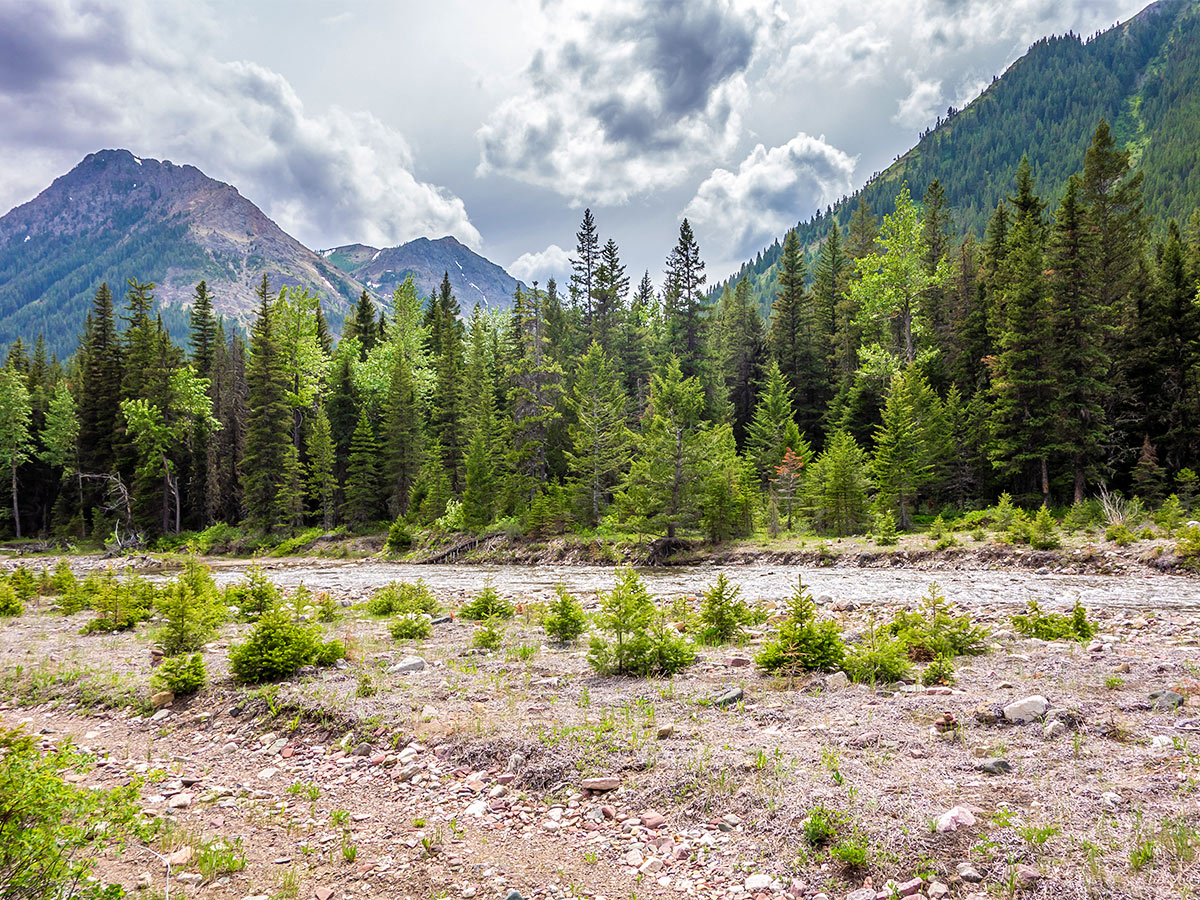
(564, 620)
(803, 643)
(487, 604)
(724, 615)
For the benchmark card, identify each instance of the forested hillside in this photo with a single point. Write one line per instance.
(1143, 76)
(921, 371)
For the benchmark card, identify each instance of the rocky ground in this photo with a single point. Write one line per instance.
(427, 769)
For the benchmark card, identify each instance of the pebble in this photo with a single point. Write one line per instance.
(758, 882)
(954, 818)
(968, 873)
(728, 698)
(1027, 709)
(996, 766)
(1166, 700)
(600, 784)
(837, 681)
(407, 664)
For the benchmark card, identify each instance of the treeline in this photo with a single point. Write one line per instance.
(910, 370)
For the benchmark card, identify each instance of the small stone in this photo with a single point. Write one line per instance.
(1166, 700)
(955, 818)
(1054, 730)
(988, 714)
(651, 866)
(665, 731)
(945, 722)
(1026, 710)
(323, 893)
(1122, 669)
(1028, 876)
(634, 858)
(363, 749)
(862, 894)
(937, 891)
(192, 878)
(601, 783)
(996, 766)
(730, 697)
(144, 881)
(513, 895)
(180, 801)
(652, 819)
(968, 873)
(837, 681)
(758, 882)
(180, 857)
(162, 699)
(407, 664)
(1111, 800)
(910, 887)
(737, 662)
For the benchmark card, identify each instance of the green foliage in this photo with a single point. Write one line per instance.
(803, 643)
(1044, 531)
(411, 626)
(1055, 626)
(1170, 515)
(932, 631)
(564, 619)
(853, 851)
(1120, 534)
(181, 675)
(253, 596)
(489, 634)
(277, 646)
(192, 610)
(724, 615)
(487, 604)
(403, 597)
(821, 825)
(1085, 514)
(835, 489)
(10, 603)
(879, 658)
(938, 671)
(884, 529)
(641, 641)
(120, 604)
(52, 830)
(399, 538)
(1004, 512)
(1187, 546)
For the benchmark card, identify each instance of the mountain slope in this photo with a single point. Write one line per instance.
(474, 279)
(115, 216)
(1142, 75)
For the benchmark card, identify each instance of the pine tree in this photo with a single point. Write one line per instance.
(902, 464)
(203, 330)
(742, 352)
(600, 441)
(798, 343)
(101, 365)
(289, 500)
(362, 325)
(683, 308)
(828, 299)
(322, 483)
(534, 398)
(268, 421)
(402, 434)
(835, 487)
(478, 485)
(362, 475)
(446, 404)
(16, 442)
(608, 308)
(583, 270)
(773, 431)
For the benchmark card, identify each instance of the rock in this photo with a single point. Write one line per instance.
(730, 697)
(665, 731)
(180, 801)
(995, 766)
(946, 722)
(363, 749)
(1054, 730)
(910, 887)
(735, 662)
(180, 857)
(634, 858)
(866, 739)
(515, 763)
(988, 713)
(192, 878)
(144, 881)
(844, 604)
(1028, 876)
(937, 891)
(758, 882)
(651, 866)
(513, 895)
(601, 784)
(1027, 709)
(160, 715)
(955, 818)
(1166, 700)
(837, 681)
(162, 699)
(323, 893)
(862, 894)
(1111, 800)
(968, 873)
(407, 664)
(652, 819)
(1122, 669)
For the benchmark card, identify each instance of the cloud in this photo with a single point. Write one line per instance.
(921, 105)
(772, 189)
(630, 97)
(139, 78)
(553, 262)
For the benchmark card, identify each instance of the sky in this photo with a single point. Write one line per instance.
(499, 121)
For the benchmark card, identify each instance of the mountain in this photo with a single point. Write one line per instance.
(117, 216)
(1143, 76)
(474, 279)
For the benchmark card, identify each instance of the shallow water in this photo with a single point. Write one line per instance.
(986, 589)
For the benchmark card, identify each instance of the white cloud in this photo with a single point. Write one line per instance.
(629, 98)
(553, 262)
(327, 177)
(921, 105)
(773, 189)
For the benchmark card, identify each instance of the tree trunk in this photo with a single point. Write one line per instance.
(1080, 482)
(1045, 482)
(16, 505)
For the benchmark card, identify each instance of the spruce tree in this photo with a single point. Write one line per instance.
(683, 303)
(479, 487)
(835, 488)
(362, 504)
(16, 441)
(401, 435)
(203, 330)
(902, 465)
(612, 289)
(583, 270)
(101, 365)
(268, 419)
(742, 352)
(322, 483)
(798, 343)
(773, 431)
(600, 442)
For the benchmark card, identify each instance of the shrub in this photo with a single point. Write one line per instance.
(940, 671)
(192, 609)
(399, 538)
(326, 608)
(885, 528)
(1119, 534)
(51, 831)
(453, 519)
(411, 627)
(803, 644)
(10, 603)
(564, 619)
(723, 614)
(278, 646)
(487, 604)
(641, 641)
(1055, 626)
(821, 825)
(937, 530)
(878, 659)
(1187, 546)
(1083, 515)
(1185, 487)
(403, 597)
(489, 634)
(253, 596)
(932, 630)
(852, 851)
(23, 583)
(181, 675)
(1170, 515)
(120, 604)
(1043, 533)
(63, 581)
(1003, 512)
(1020, 528)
